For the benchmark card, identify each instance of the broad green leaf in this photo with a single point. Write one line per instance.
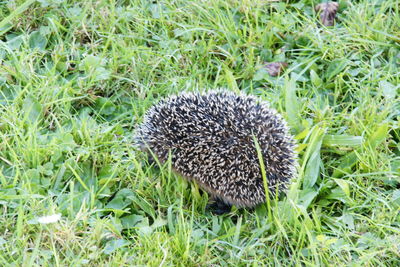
(143, 204)
(37, 40)
(171, 220)
(292, 105)
(46, 3)
(115, 244)
(303, 134)
(2, 242)
(231, 80)
(260, 74)
(66, 142)
(143, 227)
(313, 166)
(315, 79)
(342, 140)
(105, 106)
(354, 71)
(158, 222)
(14, 41)
(367, 240)
(131, 221)
(306, 196)
(348, 220)
(298, 77)
(312, 159)
(106, 173)
(344, 185)
(396, 198)
(338, 194)
(101, 73)
(235, 241)
(155, 10)
(335, 67)
(121, 200)
(91, 61)
(388, 90)
(6, 94)
(379, 135)
(346, 163)
(32, 108)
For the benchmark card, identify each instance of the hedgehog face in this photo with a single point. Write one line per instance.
(211, 137)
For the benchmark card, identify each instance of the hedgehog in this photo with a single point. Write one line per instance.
(215, 138)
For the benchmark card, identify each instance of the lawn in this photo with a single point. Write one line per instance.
(76, 78)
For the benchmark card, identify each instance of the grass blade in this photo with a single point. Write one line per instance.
(15, 13)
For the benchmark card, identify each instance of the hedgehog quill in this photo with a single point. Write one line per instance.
(211, 137)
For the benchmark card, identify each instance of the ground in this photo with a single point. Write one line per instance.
(77, 76)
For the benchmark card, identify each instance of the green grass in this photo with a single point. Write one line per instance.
(77, 76)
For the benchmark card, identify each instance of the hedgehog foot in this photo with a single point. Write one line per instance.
(218, 207)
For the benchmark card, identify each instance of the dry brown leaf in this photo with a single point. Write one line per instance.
(327, 12)
(276, 68)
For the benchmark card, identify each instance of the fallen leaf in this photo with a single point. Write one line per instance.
(327, 12)
(276, 68)
(389, 91)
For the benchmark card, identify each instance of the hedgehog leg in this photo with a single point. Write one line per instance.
(218, 206)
